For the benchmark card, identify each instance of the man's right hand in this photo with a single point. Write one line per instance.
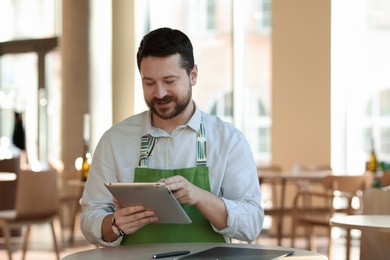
(128, 219)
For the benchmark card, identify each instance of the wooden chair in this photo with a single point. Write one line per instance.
(8, 189)
(36, 203)
(69, 196)
(302, 168)
(269, 187)
(314, 209)
(385, 178)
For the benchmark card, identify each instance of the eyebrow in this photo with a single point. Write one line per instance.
(166, 77)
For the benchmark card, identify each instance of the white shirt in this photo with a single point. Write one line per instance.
(232, 170)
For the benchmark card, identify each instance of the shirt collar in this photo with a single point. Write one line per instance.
(195, 120)
(193, 123)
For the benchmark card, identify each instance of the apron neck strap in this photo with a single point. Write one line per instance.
(147, 145)
(201, 159)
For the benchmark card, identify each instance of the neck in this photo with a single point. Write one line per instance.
(169, 125)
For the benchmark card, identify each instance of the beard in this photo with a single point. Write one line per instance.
(180, 104)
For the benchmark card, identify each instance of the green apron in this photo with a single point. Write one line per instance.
(200, 229)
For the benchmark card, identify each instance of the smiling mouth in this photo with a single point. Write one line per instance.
(162, 105)
(163, 100)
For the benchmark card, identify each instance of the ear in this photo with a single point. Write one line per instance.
(194, 75)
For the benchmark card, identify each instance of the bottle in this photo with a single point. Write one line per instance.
(86, 163)
(86, 154)
(375, 167)
(373, 162)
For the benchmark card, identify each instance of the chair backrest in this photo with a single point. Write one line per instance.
(376, 201)
(347, 183)
(311, 167)
(269, 168)
(385, 179)
(65, 189)
(37, 194)
(10, 165)
(350, 186)
(8, 188)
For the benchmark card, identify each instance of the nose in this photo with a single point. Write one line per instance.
(160, 91)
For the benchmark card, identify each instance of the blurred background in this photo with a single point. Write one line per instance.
(306, 81)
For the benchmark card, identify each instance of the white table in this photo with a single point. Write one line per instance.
(378, 223)
(146, 251)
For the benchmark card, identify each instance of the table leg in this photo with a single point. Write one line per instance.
(281, 213)
(348, 244)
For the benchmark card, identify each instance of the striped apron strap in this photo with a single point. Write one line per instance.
(201, 159)
(147, 145)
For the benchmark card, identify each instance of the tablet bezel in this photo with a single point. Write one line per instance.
(153, 196)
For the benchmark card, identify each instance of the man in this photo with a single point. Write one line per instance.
(218, 183)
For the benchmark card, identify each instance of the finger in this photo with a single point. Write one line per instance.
(182, 196)
(124, 219)
(174, 186)
(134, 227)
(176, 183)
(174, 179)
(138, 220)
(133, 209)
(116, 202)
(122, 214)
(145, 217)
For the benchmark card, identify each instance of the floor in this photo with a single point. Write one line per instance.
(41, 245)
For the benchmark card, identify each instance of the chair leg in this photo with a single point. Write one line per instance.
(73, 221)
(61, 220)
(25, 241)
(309, 239)
(330, 244)
(54, 240)
(7, 237)
(293, 230)
(313, 240)
(348, 244)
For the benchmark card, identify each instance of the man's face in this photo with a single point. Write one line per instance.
(167, 87)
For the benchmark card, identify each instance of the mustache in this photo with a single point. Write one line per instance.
(165, 99)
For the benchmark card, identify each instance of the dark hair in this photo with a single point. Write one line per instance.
(164, 42)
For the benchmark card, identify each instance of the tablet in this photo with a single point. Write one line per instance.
(153, 196)
(232, 253)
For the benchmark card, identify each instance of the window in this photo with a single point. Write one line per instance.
(211, 15)
(360, 82)
(377, 124)
(262, 15)
(29, 75)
